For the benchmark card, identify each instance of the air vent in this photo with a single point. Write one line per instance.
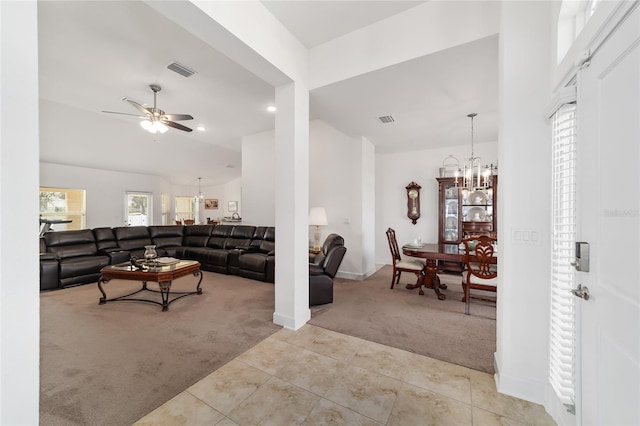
(180, 69)
(385, 119)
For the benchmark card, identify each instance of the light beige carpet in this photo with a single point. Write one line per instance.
(112, 364)
(422, 324)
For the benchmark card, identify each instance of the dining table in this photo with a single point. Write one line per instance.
(432, 253)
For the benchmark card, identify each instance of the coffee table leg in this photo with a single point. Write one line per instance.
(103, 299)
(165, 286)
(198, 289)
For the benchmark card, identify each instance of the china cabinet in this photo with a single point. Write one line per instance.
(464, 212)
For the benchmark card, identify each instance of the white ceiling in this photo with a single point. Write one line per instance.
(94, 53)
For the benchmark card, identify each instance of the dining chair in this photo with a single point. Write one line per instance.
(189, 221)
(481, 272)
(401, 265)
(178, 222)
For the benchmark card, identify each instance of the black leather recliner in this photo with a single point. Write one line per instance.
(258, 261)
(78, 258)
(321, 274)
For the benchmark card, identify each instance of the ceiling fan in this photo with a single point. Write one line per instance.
(155, 120)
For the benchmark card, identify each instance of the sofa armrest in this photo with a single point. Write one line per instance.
(109, 250)
(315, 270)
(48, 256)
(116, 255)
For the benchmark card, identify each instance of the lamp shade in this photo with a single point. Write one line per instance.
(317, 216)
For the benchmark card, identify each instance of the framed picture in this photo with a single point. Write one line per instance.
(233, 206)
(211, 204)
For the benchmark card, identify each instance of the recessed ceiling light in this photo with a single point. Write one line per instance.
(271, 108)
(201, 128)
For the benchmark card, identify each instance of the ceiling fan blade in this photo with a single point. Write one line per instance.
(176, 125)
(124, 113)
(177, 117)
(138, 107)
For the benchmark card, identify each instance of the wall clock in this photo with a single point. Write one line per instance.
(413, 201)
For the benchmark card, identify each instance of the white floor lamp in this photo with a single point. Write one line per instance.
(317, 218)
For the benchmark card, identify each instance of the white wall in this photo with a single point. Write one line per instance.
(105, 191)
(258, 179)
(19, 280)
(525, 199)
(341, 179)
(395, 171)
(368, 203)
(233, 192)
(337, 177)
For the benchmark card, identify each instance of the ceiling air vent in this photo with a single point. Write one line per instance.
(180, 69)
(385, 119)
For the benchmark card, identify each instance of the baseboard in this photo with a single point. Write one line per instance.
(290, 322)
(523, 389)
(358, 277)
(557, 409)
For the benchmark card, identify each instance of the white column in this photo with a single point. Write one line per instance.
(292, 205)
(19, 277)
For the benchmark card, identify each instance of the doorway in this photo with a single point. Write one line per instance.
(138, 208)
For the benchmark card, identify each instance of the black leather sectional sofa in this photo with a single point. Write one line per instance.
(69, 258)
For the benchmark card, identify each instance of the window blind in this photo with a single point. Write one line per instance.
(563, 275)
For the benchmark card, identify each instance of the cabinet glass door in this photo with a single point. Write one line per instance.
(451, 217)
(477, 211)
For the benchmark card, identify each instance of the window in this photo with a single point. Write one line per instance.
(563, 275)
(166, 210)
(63, 204)
(186, 208)
(574, 15)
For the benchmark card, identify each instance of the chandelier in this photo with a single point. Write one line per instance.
(199, 198)
(473, 175)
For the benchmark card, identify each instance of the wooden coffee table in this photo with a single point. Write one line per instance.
(163, 275)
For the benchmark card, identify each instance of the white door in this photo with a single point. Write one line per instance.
(138, 209)
(609, 193)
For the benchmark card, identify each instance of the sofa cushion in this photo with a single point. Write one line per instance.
(258, 236)
(219, 236)
(240, 237)
(132, 237)
(71, 243)
(267, 245)
(166, 236)
(82, 265)
(105, 239)
(197, 235)
(256, 262)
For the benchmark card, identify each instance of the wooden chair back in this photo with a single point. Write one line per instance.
(393, 245)
(480, 266)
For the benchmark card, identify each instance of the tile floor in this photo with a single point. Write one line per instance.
(315, 376)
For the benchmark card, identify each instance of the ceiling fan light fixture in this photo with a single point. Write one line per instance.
(153, 126)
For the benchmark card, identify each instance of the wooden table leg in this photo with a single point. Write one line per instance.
(432, 278)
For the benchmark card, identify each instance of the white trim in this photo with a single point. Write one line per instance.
(607, 17)
(563, 96)
(523, 389)
(289, 322)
